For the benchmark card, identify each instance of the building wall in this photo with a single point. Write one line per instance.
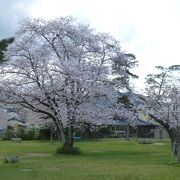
(160, 133)
(143, 116)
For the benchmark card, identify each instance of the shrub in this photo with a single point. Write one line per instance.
(104, 130)
(11, 159)
(68, 150)
(7, 135)
(20, 132)
(24, 134)
(31, 134)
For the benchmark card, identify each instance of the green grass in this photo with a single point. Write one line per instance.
(101, 160)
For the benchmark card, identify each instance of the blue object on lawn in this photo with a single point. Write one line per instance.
(77, 138)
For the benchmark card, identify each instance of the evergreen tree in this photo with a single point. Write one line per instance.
(3, 47)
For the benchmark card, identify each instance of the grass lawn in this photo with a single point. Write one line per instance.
(103, 160)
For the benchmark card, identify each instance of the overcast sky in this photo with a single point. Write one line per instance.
(150, 29)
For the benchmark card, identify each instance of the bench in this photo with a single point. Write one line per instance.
(120, 133)
(16, 140)
(77, 138)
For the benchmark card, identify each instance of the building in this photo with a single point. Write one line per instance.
(139, 128)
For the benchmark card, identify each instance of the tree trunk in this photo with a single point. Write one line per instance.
(178, 144)
(68, 146)
(178, 152)
(60, 129)
(173, 137)
(70, 138)
(171, 131)
(174, 146)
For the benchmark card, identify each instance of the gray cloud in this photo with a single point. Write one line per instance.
(12, 11)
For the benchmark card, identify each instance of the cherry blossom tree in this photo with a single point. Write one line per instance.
(65, 71)
(163, 100)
